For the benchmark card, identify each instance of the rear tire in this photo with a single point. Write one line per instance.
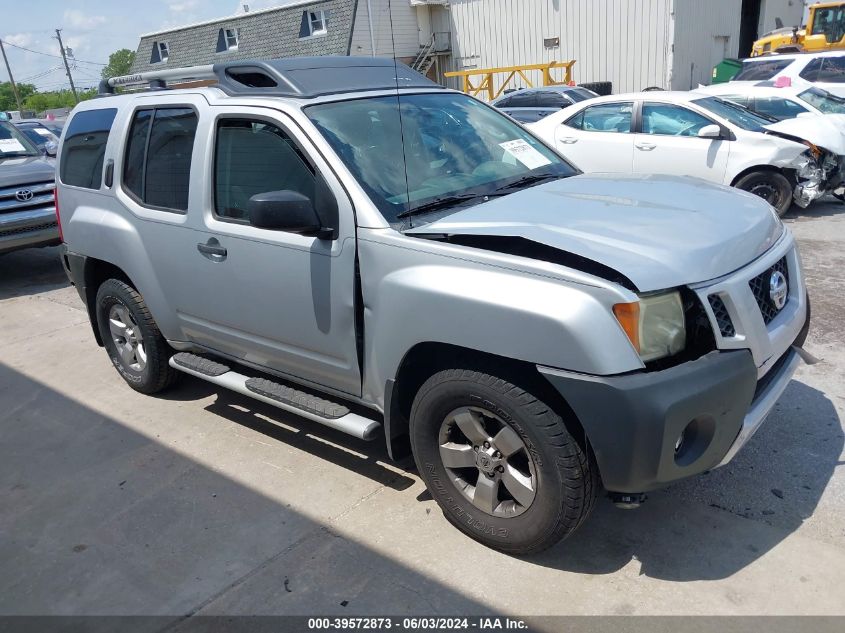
(543, 483)
(132, 339)
(772, 186)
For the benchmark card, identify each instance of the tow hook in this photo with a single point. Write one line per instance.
(628, 500)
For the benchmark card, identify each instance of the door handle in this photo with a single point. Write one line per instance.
(646, 147)
(212, 250)
(569, 140)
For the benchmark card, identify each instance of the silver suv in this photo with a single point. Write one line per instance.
(347, 241)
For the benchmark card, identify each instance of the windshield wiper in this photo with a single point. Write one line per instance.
(531, 179)
(440, 203)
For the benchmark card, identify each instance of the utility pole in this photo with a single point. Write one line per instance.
(67, 68)
(11, 79)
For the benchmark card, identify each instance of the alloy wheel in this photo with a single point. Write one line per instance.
(127, 338)
(487, 461)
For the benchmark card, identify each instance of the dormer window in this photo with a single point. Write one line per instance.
(314, 23)
(160, 53)
(227, 40)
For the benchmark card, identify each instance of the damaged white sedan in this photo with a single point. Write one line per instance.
(694, 134)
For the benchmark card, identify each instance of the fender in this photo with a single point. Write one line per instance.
(432, 295)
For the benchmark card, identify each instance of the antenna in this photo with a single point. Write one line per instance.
(399, 108)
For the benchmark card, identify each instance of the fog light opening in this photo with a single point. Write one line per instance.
(694, 440)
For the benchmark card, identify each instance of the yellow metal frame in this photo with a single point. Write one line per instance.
(486, 84)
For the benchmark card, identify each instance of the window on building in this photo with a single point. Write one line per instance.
(314, 23)
(253, 157)
(605, 117)
(671, 120)
(160, 53)
(157, 168)
(85, 147)
(227, 40)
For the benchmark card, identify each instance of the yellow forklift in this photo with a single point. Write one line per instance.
(825, 31)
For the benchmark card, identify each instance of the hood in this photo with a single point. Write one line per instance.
(824, 130)
(24, 170)
(658, 231)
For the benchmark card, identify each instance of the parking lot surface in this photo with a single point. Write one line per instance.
(200, 501)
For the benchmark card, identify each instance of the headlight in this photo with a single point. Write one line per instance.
(654, 324)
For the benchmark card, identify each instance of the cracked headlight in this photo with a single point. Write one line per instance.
(655, 324)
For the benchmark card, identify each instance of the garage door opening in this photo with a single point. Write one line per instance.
(748, 22)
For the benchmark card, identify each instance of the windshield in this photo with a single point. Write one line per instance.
(823, 101)
(39, 135)
(13, 143)
(434, 152)
(739, 115)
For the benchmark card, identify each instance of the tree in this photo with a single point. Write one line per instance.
(7, 96)
(41, 101)
(120, 62)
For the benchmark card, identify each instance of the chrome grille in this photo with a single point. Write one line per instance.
(760, 288)
(723, 319)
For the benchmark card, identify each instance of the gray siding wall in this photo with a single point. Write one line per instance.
(627, 42)
(262, 35)
(405, 34)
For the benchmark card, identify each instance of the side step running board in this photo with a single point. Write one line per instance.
(326, 412)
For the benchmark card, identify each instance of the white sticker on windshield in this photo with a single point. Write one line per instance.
(43, 131)
(9, 145)
(525, 154)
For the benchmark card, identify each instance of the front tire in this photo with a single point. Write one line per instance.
(132, 339)
(772, 186)
(500, 462)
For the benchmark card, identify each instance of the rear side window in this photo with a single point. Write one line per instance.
(552, 100)
(758, 71)
(157, 168)
(523, 99)
(255, 157)
(810, 72)
(84, 148)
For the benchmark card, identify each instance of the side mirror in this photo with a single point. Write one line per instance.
(51, 148)
(284, 211)
(710, 131)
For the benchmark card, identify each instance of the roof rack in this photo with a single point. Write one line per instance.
(303, 77)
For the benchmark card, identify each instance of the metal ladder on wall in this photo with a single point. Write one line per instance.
(425, 58)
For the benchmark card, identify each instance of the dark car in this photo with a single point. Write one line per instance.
(532, 104)
(45, 139)
(27, 180)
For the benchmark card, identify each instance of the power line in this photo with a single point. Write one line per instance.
(29, 50)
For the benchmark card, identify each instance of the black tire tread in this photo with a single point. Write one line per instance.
(575, 465)
(165, 375)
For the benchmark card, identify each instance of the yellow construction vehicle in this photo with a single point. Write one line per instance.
(825, 31)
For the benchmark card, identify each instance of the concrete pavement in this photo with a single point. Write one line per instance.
(199, 502)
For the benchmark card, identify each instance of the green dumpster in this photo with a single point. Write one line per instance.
(726, 70)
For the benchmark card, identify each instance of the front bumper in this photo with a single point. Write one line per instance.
(26, 229)
(634, 421)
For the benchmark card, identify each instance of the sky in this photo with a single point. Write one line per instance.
(92, 29)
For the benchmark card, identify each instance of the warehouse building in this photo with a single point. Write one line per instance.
(671, 44)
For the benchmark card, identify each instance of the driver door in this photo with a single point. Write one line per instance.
(668, 143)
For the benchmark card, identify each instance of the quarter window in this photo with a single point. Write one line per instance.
(85, 147)
(810, 72)
(833, 70)
(254, 157)
(157, 168)
(605, 117)
(670, 120)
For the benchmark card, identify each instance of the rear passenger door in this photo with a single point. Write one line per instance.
(598, 138)
(271, 298)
